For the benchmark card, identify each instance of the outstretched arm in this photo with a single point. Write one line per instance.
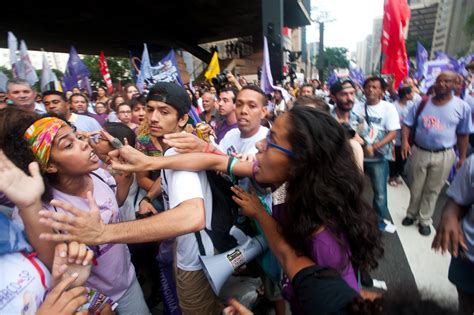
(87, 226)
(129, 159)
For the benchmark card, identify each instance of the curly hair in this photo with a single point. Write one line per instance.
(13, 124)
(330, 195)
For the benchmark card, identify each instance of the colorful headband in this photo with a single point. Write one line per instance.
(40, 136)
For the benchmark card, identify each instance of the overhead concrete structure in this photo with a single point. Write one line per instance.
(92, 26)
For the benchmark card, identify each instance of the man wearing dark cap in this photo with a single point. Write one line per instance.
(343, 95)
(188, 201)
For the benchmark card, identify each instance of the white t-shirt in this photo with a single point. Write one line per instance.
(84, 123)
(24, 281)
(233, 143)
(384, 115)
(177, 187)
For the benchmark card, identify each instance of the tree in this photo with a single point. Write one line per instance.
(410, 45)
(118, 68)
(334, 57)
(469, 27)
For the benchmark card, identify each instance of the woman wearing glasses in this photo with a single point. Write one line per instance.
(323, 217)
(124, 114)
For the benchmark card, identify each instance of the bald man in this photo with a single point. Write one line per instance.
(444, 121)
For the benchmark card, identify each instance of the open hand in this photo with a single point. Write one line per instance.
(23, 190)
(84, 226)
(449, 233)
(64, 301)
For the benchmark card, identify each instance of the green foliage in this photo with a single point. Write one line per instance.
(469, 27)
(118, 68)
(410, 45)
(6, 71)
(334, 57)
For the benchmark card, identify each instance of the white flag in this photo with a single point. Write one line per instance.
(47, 76)
(25, 68)
(3, 82)
(13, 47)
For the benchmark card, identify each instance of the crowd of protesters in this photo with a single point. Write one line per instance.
(102, 198)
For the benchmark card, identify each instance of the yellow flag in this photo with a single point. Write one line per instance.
(213, 68)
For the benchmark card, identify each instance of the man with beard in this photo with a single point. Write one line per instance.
(343, 94)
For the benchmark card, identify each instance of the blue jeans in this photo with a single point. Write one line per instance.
(378, 174)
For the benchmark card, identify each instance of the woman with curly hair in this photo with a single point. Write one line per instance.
(324, 216)
(71, 172)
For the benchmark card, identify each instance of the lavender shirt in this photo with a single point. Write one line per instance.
(438, 126)
(114, 272)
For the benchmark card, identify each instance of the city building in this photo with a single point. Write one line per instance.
(449, 35)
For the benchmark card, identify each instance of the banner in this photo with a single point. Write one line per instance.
(13, 47)
(25, 69)
(266, 80)
(213, 68)
(48, 76)
(421, 59)
(396, 16)
(104, 70)
(76, 72)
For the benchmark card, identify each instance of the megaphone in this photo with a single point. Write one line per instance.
(219, 267)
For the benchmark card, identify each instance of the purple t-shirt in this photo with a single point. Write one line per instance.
(438, 126)
(326, 251)
(222, 129)
(114, 273)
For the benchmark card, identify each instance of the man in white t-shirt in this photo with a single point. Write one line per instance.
(250, 109)
(383, 123)
(188, 201)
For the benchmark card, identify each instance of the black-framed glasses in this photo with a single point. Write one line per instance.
(269, 142)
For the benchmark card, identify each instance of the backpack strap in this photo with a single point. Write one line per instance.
(420, 108)
(31, 259)
(103, 180)
(196, 234)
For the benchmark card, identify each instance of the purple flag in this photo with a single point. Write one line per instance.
(421, 59)
(266, 80)
(356, 75)
(86, 85)
(76, 71)
(332, 78)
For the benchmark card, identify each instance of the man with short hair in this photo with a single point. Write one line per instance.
(210, 114)
(250, 109)
(307, 90)
(55, 102)
(228, 120)
(444, 122)
(80, 104)
(343, 95)
(21, 93)
(382, 122)
(188, 200)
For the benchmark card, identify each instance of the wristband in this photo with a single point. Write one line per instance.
(145, 198)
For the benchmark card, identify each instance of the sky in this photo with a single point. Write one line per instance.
(352, 21)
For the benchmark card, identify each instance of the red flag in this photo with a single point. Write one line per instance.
(104, 70)
(395, 19)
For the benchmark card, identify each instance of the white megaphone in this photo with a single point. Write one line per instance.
(219, 267)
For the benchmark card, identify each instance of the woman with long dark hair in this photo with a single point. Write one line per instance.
(324, 216)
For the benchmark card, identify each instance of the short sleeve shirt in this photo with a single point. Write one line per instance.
(438, 126)
(461, 191)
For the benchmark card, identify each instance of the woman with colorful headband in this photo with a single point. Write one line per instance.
(71, 173)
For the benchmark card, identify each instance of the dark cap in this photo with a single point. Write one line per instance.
(171, 94)
(336, 87)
